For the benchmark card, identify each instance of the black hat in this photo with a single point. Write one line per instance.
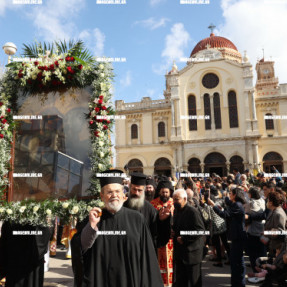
(165, 184)
(150, 181)
(138, 178)
(246, 170)
(116, 176)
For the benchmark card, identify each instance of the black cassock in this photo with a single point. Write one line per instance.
(22, 256)
(117, 260)
(160, 230)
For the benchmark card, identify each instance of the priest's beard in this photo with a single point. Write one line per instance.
(164, 199)
(149, 195)
(136, 202)
(114, 205)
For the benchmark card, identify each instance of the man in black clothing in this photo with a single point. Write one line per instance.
(188, 242)
(114, 249)
(158, 222)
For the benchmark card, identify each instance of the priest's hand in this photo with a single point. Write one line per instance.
(94, 217)
(165, 212)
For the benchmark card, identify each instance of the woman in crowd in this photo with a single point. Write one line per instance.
(235, 211)
(255, 228)
(276, 220)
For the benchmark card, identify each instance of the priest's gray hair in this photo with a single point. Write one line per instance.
(181, 192)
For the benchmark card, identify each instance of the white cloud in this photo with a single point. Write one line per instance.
(175, 44)
(3, 6)
(54, 18)
(126, 80)
(155, 2)
(257, 24)
(95, 40)
(152, 23)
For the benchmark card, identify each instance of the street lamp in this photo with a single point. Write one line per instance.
(9, 49)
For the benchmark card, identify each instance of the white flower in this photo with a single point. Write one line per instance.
(65, 204)
(100, 166)
(6, 126)
(101, 143)
(22, 209)
(89, 208)
(75, 209)
(101, 66)
(9, 211)
(36, 208)
(2, 209)
(48, 211)
(102, 75)
(102, 154)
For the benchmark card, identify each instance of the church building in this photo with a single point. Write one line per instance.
(212, 117)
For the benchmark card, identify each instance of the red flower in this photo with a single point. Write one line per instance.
(46, 68)
(72, 59)
(101, 97)
(104, 108)
(1, 104)
(91, 122)
(100, 102)
(36, 63)
(97, 109)
(70, 70)
(51, 67)
(108, 122)
(56, 63)
(68, 59)
(8, 110)
(80, 67)
(20, 75)
(96, 133)
(4, 121)
(39, 76)
(1, 136)
(105, 127)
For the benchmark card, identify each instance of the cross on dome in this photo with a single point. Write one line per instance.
(211, 27)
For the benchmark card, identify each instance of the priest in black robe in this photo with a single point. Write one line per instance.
(114, 249)
(158, 222)
(22, 256)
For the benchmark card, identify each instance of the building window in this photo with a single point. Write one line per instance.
(210, 81)
(192, 112)
(134, 130)
(207, 111)
(217, 112)
(232, 105)
(161, 129)
(269, 122)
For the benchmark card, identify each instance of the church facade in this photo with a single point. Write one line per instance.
(212, 117)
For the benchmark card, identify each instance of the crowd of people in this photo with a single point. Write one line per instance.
(155, 231)
(186, 219)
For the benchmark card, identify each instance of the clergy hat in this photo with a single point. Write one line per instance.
(165, 184)
(110, 176)
(138, 178)
(150, 181)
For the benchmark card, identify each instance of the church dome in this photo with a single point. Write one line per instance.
(215, 42)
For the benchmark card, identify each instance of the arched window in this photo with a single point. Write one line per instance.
(217, 111)
(207, 111)
(232, 105)
(134, 165)
(134, 131)
(192, 112)
(269, 123)
(161, 129)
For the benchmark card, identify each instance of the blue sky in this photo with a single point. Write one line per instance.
(149, 33)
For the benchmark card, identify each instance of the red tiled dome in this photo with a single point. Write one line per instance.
(214, 42)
